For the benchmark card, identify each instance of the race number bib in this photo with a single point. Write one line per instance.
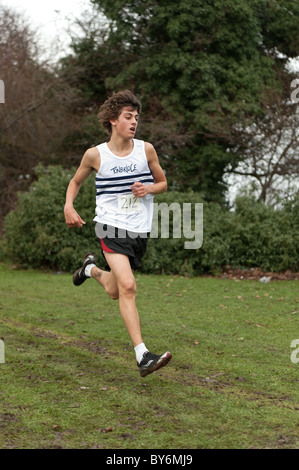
(128, 203)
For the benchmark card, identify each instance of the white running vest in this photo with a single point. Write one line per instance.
(115, 203)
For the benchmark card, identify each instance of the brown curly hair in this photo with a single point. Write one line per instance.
(113, 106)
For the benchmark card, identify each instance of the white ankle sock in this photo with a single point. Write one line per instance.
(140, 349)
(88, 269)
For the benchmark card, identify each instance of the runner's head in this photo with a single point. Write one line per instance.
(113, 106)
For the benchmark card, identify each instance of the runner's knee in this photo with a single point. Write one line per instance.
(112, 291)
(113, 294)
(127, 286)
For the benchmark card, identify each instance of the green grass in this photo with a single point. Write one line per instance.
(70, 378)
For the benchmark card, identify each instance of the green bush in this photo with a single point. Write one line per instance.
(35, 233)
(252, 235)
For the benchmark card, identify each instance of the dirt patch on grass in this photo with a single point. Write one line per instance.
(7, 417)
(257, 274)
(221, 383)
(95, 347)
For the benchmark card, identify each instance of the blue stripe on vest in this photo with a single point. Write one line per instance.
(129, 183)
(115, 178)
(114, 192)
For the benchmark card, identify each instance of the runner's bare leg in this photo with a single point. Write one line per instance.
(107, 280)
(122, 278)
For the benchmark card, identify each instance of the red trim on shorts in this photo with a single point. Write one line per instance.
(105, 247)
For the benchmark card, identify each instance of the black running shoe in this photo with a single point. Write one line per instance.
(151, 362)
(79, 275)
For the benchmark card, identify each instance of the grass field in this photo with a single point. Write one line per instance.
(70, 378)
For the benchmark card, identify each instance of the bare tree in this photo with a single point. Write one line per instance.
(36, 115)
(270, 157)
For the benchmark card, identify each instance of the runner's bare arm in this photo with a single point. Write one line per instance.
(160, 185)
(89, 162)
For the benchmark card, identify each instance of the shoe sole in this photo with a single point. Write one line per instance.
(80, 281)
(163, 361)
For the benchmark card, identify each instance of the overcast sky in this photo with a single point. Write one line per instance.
(50, 18)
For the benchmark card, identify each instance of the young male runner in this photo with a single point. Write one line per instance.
(128, 175)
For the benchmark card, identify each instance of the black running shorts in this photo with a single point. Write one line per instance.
(116, 240)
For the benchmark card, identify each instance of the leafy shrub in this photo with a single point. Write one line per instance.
(252, 235)
(36, 234)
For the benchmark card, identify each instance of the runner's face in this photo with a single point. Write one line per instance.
(126, 123)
